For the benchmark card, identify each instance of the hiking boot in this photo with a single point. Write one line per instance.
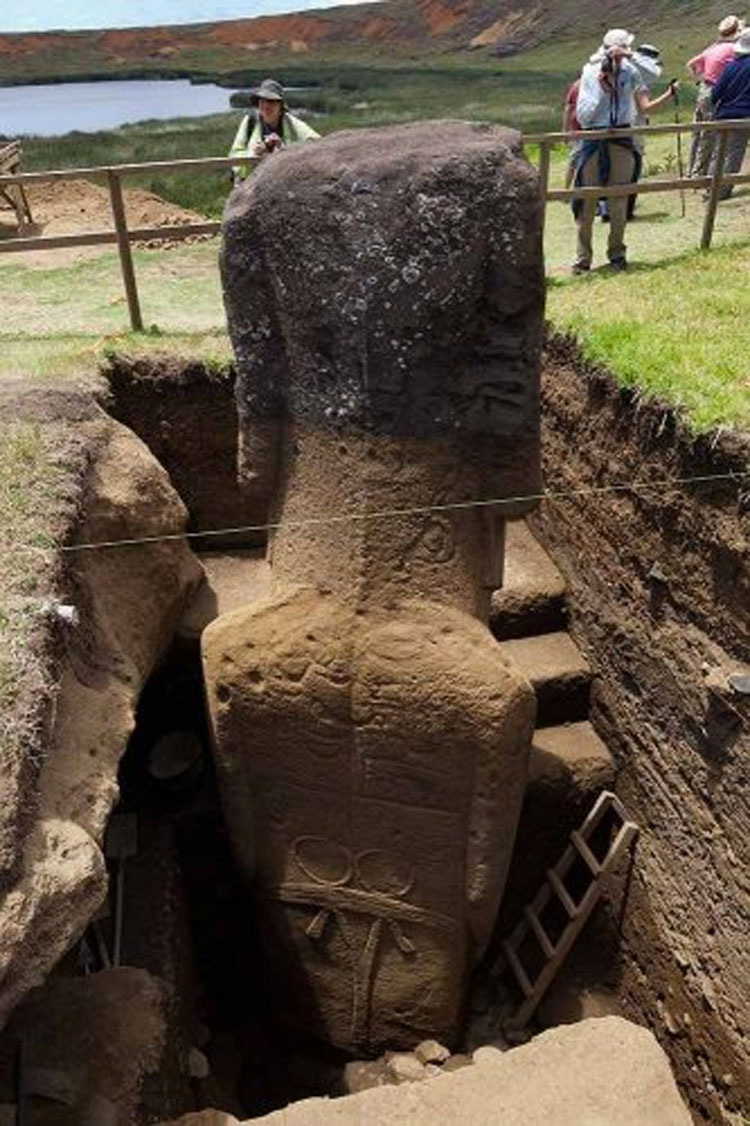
(580, 268)
(619, 264)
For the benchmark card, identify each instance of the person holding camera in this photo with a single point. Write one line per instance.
(608, 98)
(707, 68)
(269, 128)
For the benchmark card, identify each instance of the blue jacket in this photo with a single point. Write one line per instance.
(731, 94)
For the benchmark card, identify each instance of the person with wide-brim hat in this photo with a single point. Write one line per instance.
(269, 127)
(731, 99)
(707, 68)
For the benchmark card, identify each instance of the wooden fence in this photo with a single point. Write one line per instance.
(14, 195)
(124, 236)
(121, 234)
(712, 183)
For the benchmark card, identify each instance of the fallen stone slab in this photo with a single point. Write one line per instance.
(595, 1073)
(601, 1072)
(90, 1042)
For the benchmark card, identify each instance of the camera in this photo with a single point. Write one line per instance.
(608, 63)
(272, 142)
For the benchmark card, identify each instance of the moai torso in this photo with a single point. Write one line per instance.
(384, 293)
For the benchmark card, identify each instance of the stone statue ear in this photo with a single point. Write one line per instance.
(323, 861)
(384, 874)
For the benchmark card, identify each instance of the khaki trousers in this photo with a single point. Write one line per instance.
(737, 140)
(703, 145)
(622, 167)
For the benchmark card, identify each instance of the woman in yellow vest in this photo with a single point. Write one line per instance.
(268, 130)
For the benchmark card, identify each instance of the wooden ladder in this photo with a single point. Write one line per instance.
(549, 954)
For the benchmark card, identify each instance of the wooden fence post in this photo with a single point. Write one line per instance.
(544, 163)
(714, 191)
(123, 245)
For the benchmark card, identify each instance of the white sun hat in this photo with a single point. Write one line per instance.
(618, 37)
(730, 27)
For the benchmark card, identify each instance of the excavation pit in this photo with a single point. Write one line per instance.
(667, 941)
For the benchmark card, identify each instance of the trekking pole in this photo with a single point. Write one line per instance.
(680, 161)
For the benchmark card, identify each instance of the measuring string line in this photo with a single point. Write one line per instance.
(392, 513)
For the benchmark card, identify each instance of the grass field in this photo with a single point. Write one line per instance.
(59, 321)
(678, 330)
(676, 324)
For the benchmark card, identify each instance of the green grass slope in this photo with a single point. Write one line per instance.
(47, 333)
(393, 29)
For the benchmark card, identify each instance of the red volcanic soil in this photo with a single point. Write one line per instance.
(410, 25)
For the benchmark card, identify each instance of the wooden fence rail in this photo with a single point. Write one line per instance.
(123, 236)
(713, 183)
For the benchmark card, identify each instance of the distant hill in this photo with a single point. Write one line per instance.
(398, 27)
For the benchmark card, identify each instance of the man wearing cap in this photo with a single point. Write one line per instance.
(707, 68)
(731, 99)
(272, 127)
(607, 99)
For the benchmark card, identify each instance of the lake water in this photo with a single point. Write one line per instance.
(48, 111)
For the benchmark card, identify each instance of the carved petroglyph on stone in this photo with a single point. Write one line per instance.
(371, 884)
(384, 292)
(395, 733)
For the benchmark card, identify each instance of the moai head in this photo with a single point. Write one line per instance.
(390, 280)
(384, 290)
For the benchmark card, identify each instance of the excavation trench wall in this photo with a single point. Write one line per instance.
(186, 415)
(659, 591)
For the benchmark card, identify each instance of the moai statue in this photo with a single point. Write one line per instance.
(384, 290)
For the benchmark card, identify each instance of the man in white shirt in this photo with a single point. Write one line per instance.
(607, 99)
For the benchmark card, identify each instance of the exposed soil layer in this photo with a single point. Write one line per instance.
(92, 642)
(187, 417)
(659, 587)
(658, 593)
(25, 723)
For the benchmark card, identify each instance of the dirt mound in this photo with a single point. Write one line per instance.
(81, 207)
(67, 207)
